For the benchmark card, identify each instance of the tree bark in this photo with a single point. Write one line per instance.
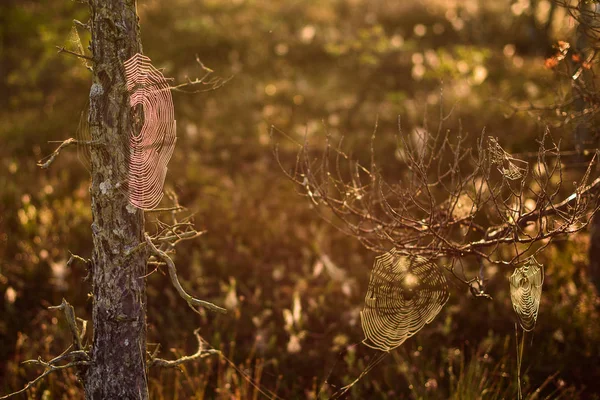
(584, 137)
(118, 356)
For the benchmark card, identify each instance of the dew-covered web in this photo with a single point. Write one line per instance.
(511, 168)
(405, 292)
(150, 148)
(526, 291)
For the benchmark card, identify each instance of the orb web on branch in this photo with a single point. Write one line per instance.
(526, 291)
(74, 45)
(84, 139)
(151, 148)
(511, 168)
(405, 292)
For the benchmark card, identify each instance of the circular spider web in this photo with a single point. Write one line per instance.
(151, 148)
(148, 147)
(405, 292)
(526, 291)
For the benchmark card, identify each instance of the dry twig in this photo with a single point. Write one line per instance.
(79, 356)
(49, 159)
(212, 83)
(199, 354)
(454, 197)
(192, 301)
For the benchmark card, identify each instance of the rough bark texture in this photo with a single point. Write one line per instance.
(584, 138)
(118, 368)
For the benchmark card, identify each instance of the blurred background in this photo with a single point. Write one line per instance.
(295, 284)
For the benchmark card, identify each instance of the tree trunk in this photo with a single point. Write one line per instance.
(118, 367)
(584, 137)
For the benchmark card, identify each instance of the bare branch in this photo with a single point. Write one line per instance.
(165, 209)
(49, 159)
(192, 301)
(174, 239)
(61, 49)
(79, 355)
(49, 368)
(75, 257)
(69, 312)
(212, 83)
(82, 25)
(453, 197)
(200, 353)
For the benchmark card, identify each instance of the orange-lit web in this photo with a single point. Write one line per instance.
(511, 168)
(150, 148)
(526, 292)
(405, 292)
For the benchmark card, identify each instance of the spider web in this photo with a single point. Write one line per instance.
(152, 147)
(511, 168)
(84, 139)
(526, 291)
(405, 292)
(74, 44)
(149, 148)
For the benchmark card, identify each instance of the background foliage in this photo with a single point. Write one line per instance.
(294, 284)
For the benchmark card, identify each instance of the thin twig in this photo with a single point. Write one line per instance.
(200, 353)
(55, 153)
(75, 257)
(165, 209)
(49, 369)
(450, 200)
(213, 83)
(61, 49)
(180, 237)
(81, 24)
(69, 312)
(78, 354)
(192, 301)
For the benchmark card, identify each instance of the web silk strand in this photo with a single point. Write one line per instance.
(405, 293)
(152, 147)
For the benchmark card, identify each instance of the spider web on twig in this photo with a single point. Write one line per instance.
(511, 168)
(405, 292)
(75, 46)
(526, 291)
